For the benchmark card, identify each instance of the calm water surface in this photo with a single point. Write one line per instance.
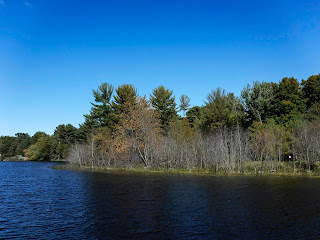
(37, 202)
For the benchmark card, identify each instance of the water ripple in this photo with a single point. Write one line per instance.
(37, 202)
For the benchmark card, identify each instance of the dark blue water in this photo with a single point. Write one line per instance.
(37, 202)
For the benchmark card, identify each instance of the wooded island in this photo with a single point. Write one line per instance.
(272, 127)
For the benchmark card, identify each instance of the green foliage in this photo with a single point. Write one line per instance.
(194, 115)
(83, 132)
(126, 94)
(288, 103)
(311, 89)
(314, 111)
(64, 136)
(284, 120)
(36, 136)
(7, 148)
(65, 133)
(41, 150)
(22, 142)
(257, 100)
(221, 110)
(12, 146)
(101, 111)
(164, 104)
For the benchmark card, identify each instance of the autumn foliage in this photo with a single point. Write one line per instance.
(137, 131)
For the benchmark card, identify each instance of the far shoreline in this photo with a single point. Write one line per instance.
(194, 172)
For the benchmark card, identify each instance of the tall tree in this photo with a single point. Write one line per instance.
(23, 141)
(257, 100)
(65, 133)
(221, 110)
(314, 111)
(194, 115)
(64, 136)
(126, 94)
(288, 103)
(7, 146)
(41, 150)
(137, 131)
(184, 104)
(101, 111)
(36, 136)
(311, 89)
(164, 104)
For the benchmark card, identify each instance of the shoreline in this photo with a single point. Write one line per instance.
(195, 172)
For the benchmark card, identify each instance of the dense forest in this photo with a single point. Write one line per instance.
(271, 127)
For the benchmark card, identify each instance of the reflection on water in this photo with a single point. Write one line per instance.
(37, 202)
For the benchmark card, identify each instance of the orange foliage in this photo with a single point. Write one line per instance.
(138, 127)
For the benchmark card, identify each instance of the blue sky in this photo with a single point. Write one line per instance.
(54, 52)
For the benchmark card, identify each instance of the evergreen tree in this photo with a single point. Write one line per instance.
(101, 111)
(84, 131)
(164, 104)
(64, 136)
(126, 94)
(7, 148)
(184, 104)
(65, 133)
(194, 115)
(22, 142)
(221, 110)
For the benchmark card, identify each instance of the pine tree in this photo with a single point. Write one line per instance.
(126, 94)
(164, 104)
(184, 104)
(194, 116)
(221, 110)
(101, 111)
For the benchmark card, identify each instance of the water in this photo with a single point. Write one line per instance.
(37, 202)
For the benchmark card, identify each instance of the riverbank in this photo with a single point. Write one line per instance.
(203, 172)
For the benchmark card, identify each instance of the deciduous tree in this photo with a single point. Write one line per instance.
(41, 150)
(137, 131)
(257, 100)
(288, 103)
(311, 89)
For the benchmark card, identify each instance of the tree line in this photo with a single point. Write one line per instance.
(40, 146)
(270, 127)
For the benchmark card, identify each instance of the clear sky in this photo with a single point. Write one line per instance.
(54, 52)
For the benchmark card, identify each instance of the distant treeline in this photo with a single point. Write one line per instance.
(270, 127)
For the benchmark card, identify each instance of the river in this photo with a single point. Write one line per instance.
(37, 202)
